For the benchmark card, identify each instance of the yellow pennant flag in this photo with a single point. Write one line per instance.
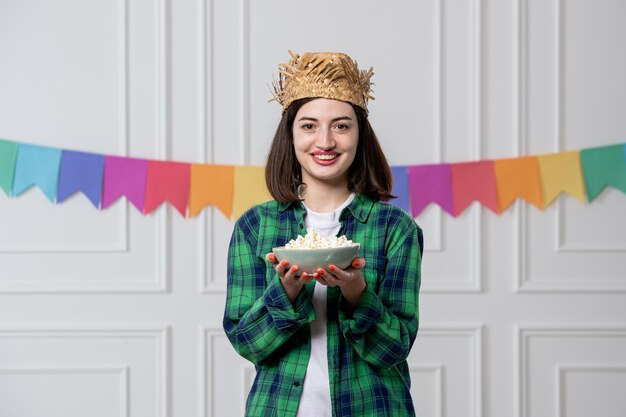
(250, 189)
(561, 172)
(518, 177)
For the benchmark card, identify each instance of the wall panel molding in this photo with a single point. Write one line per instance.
(122, 373)
(473, 282)
(524, 282)
(159, 283)
(562, 371)
(474, 333)
(160, 334)
(524, 333)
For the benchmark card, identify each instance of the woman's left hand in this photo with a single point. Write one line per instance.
(349, 280)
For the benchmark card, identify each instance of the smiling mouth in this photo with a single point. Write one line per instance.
(325, 157)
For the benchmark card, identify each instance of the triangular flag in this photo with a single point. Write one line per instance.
(474, 181)
(167, 181)
(37, 165)
(560, 172)
(124, 177)
(430, 184)
(601, 167)
(211, 184)
(81, 171)
(250, 189)
(518, 177)
(400, 189)
(8, 156)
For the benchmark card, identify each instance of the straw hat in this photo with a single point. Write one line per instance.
(332, 75)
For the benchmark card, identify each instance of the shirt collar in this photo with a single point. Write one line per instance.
(360, 207)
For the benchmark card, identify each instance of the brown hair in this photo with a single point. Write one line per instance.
(369, 173)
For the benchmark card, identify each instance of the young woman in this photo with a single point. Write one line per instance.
(333, 343)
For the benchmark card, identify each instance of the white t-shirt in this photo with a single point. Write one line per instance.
(315, 397)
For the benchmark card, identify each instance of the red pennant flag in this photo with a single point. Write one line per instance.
(167, 181)
(474, 181)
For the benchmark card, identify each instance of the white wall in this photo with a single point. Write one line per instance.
(116, 314)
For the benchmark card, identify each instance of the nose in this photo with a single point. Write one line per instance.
(325, 140)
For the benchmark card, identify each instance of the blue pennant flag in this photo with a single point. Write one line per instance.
(400, 187)
(37, 165)
(81, 171)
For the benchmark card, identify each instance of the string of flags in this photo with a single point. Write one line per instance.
(191, 187)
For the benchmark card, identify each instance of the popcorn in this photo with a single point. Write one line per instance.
(313, 240)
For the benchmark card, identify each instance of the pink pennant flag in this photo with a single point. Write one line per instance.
(474, 181)
(167, 181)
(430, 184)
(124, 177)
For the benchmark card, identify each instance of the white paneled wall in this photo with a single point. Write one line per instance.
(112, 313)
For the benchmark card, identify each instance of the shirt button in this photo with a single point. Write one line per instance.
(301, 226)
(296, 384)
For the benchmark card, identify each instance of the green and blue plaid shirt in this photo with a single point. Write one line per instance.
(367, 345)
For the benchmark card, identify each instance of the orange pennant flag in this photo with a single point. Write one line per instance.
(167, 181)
(561, 172)
(250, 189)
(518, 177)
(211, 184)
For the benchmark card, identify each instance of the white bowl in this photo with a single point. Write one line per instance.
(309, 260)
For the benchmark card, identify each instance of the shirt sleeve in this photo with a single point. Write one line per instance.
(383, 325)
(258, 317)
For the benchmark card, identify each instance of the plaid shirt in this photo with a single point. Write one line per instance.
(367, 345)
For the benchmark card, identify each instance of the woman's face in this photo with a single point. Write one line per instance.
(325, 139)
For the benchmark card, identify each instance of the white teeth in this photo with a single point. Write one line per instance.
(325, 157)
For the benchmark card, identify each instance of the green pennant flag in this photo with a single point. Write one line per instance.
(602, 167)
(8, 155)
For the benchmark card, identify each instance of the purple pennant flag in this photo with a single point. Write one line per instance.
(124, 177)
(430, 184)
(81, 171)
(400, 187)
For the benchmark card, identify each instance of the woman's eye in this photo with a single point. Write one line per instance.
(342, 127)
(307, 126)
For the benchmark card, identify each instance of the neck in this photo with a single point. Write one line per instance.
(324, 198)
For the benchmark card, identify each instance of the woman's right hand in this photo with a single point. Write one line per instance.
(292, 283)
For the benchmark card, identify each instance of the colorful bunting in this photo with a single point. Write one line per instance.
(430, 184)
(124, 177)
(474, 181)
(560, 172)
(211, 184)
(81, 171)
(518, 177)
(167, 181)
(8, 156)
(603, 166)
(233, 189)
(37, 165)
(400, 187)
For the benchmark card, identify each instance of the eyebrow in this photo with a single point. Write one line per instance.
(313, 119)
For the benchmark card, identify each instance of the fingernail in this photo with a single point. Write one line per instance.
(294, 269)
(271, 256)
(355, 263)
(331, 267)
(320, 271)
(283, 262)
